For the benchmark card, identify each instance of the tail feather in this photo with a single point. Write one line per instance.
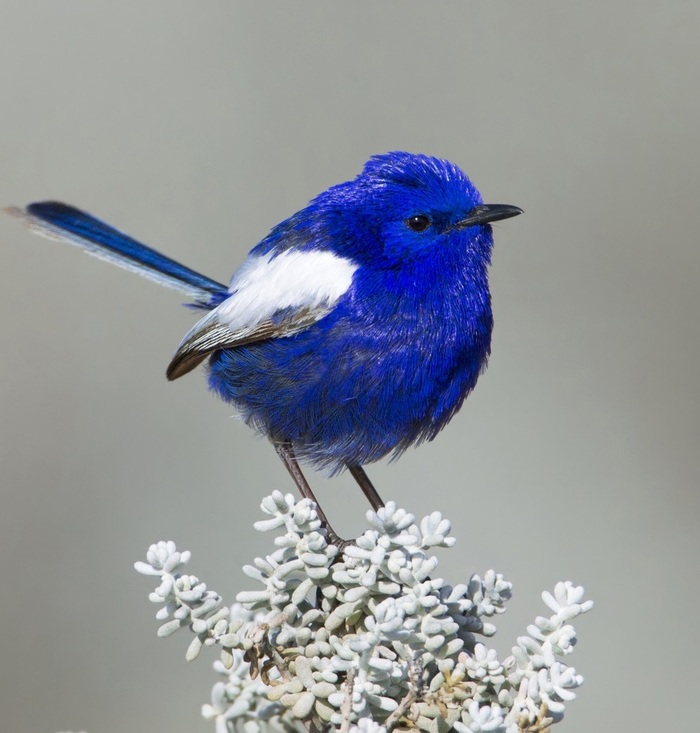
(65, 223)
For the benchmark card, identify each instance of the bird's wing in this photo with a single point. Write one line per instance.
(272, 295)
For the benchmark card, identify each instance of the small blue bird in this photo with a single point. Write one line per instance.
(354, 329)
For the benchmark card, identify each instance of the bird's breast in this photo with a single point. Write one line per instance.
(447, 312)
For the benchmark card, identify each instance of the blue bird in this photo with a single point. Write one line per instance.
(354, 329)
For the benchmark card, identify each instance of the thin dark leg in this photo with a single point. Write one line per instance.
(358, 473)
(286, 453)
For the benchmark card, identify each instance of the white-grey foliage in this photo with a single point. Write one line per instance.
(367, 640)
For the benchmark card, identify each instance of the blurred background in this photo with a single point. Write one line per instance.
(198, 127)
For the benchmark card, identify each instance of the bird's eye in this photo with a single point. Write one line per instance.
(418, 223)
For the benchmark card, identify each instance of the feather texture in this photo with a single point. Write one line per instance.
(64, 223)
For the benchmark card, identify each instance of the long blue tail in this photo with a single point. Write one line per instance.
(65, 223)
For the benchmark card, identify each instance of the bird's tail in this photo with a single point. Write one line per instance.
(65, 223)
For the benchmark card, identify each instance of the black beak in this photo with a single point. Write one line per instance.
(486, 213)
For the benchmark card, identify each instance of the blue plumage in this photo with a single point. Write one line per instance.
(57, 220)
(388, 367)
(355, 329)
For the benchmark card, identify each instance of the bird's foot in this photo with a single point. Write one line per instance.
(334, 540)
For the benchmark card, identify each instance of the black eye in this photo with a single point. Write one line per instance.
(418, 223)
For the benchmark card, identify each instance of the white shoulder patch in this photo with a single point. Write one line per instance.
(301, 287)
(267, 284)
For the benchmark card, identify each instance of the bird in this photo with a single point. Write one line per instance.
(355, 329)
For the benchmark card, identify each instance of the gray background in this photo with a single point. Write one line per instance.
(198, 128)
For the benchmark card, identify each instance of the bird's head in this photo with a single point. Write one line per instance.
(405, 205)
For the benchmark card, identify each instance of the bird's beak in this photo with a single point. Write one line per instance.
(486, 213)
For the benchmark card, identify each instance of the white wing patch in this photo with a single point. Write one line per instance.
(270, 297)
(265, 285)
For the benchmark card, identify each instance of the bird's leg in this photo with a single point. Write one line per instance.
(358, 473)
(286, 453)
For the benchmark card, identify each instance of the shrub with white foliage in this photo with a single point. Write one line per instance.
(366, 639)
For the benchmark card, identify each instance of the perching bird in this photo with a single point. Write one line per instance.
(354, 329)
